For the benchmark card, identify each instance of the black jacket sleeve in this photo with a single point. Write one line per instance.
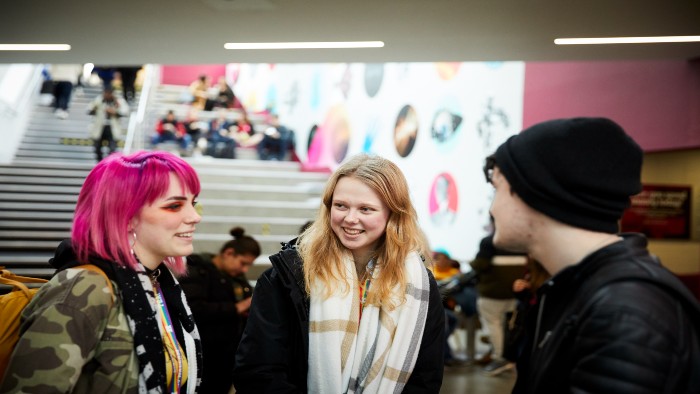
(268, 360)
(647, 349)
(206, 296)
(427, 373)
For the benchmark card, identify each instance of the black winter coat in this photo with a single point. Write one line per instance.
(212, 296)
(274, 359)
(617, 322)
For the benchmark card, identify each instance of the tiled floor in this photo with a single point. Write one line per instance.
(470, 379)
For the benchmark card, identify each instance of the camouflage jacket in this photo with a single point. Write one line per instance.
(74, 338)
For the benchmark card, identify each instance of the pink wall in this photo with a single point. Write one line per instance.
(185, 74)
(657, 102)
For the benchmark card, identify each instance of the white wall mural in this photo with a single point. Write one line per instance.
(436, 121)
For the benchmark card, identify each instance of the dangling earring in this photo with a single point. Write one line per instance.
(132, 244)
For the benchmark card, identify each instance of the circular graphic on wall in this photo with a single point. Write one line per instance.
(445, 124)
(406, 130)
(312, 134)
(443, 200)
(329, 143)
(447, 71)
(374, 75)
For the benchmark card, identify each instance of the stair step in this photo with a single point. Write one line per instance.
(53, 189)
(25, 197)
(25, 258)
(252, 225)
(26, 224)
(88, 155)
(41, 180)
(31, 245)
(55, 165)
(40, 234)
(34, 215)
(259, 192)
(259, 208)
(210, 162)
(57, 147)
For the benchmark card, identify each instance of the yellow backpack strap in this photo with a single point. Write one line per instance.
(17, 281)
(94, 268)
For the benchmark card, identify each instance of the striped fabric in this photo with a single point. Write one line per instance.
(378, 355)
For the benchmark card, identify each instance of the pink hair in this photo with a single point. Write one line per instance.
(113, 193)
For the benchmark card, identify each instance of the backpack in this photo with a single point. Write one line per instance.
(13, 303)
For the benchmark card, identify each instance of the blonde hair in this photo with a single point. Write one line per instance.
(323, 253)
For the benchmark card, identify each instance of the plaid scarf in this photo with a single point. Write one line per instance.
(378, 354)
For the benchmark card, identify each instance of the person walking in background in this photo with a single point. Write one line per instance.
(80, 334)
(128, 78)
(107, 111)
(349, 306)
(219, 295)
(496, 269)
(612, 319)
(65, 77)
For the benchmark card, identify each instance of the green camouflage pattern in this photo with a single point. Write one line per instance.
(74, 338)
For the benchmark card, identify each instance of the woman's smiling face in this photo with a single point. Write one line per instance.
(166, 227)
(358, 216)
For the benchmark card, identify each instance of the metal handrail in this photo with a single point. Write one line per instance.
(134, 136)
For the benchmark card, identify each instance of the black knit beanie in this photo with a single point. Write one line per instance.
(579, 171)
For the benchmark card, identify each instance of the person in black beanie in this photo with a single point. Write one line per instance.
(611, 318)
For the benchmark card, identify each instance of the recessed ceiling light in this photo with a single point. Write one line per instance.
(304, 45)
(34, 47)
(625, 40)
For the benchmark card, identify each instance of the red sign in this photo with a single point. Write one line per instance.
(660, 211)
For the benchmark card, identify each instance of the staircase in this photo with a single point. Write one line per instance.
(49, 139)
(270, 200)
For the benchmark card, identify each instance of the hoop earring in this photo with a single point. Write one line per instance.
(132, 244)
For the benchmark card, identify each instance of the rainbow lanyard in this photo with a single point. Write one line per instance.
(170, 339)
(365, 289)
(363, 295)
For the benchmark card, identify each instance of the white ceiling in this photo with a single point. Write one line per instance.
(194, 31)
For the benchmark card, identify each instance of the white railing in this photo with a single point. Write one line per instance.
(136, 131)
(19, 85)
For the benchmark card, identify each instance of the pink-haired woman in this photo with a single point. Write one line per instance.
(134, 219)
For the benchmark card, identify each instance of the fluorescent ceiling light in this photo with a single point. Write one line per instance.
(625, 40)
(304, 45)
(34, 47)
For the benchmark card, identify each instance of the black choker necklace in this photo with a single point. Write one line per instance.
(154, 276)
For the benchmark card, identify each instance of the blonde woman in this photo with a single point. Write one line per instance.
(349, 306)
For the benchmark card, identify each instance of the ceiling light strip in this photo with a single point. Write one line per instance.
(304, 45)
(34, 47)
(625, 40)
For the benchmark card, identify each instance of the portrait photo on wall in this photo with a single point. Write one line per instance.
(443, 200)
(406, 130)
(445, 124)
